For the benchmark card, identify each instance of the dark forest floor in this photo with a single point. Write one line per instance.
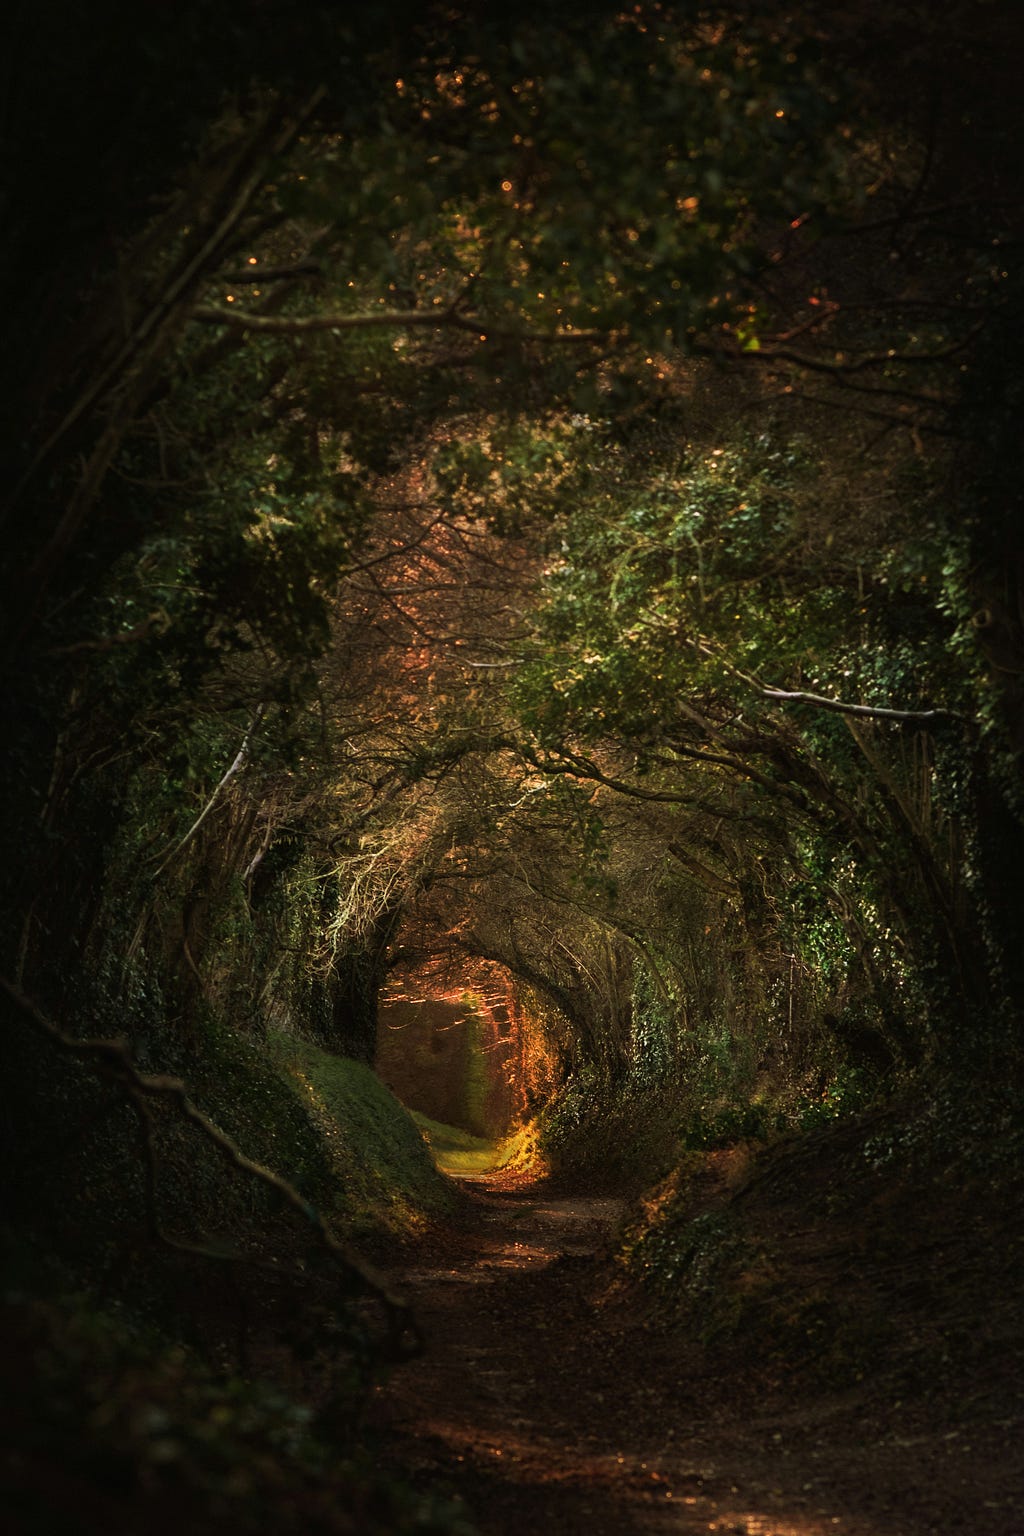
(828, 1336)
(555, 1400)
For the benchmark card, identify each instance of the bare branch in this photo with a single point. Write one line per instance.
(576, 765)
(395, 319)
(239, 763)
(868, 711)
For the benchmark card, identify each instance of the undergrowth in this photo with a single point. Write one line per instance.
(621, 1136)
(763, 1116)
(634, 1132)
(109, 1430)
(835, 1251)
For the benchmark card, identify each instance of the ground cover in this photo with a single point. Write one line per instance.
(381, 1175)
(459, 1153)
(838, 1351)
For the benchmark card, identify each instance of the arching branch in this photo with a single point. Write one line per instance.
(236, 766)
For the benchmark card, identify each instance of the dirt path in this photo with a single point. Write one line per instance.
(552, 1406)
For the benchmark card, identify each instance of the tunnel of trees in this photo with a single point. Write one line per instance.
(520, 509)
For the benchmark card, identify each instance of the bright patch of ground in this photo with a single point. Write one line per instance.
(460, 1154)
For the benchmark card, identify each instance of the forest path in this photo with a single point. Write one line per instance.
(551, 1403)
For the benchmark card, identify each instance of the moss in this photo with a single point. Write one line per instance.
(476, 1085)
(240, 1084)
(380, 1174)
(455, 1150)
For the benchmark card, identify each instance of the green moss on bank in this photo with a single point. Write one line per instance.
(379, 1173)
(455, 1150)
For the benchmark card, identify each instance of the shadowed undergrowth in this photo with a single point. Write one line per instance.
(873, 1250)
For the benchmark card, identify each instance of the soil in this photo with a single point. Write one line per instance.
(553, 1398)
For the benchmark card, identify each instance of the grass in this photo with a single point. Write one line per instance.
(456, 1151)
(381, 1172)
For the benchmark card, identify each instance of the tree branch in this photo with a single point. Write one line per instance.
(156, 623)
(868, 711)
(840, 369)
(396, 319)
(239, 763)
(309, 266)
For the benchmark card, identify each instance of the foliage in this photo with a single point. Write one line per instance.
(677, 589)
(765, 1117)
(116, 1427)
(690, 562)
